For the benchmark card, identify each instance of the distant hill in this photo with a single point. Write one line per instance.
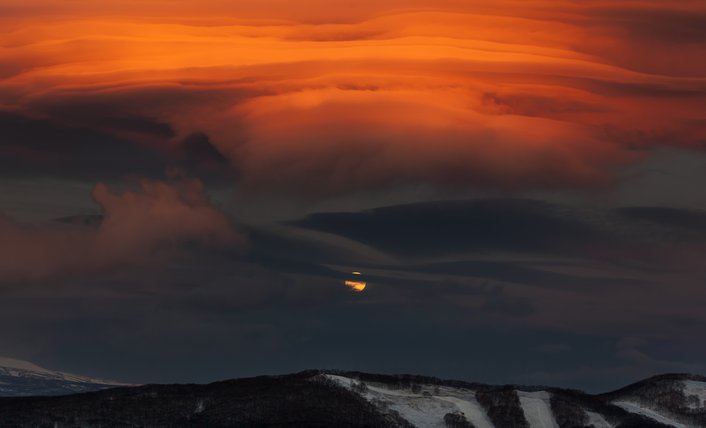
(21, 378)
(324, 398)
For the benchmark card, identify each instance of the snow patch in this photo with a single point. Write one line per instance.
(647, 412)
(597, 420)
(537, 410)
(14, 365)
(200, 407)
(698, 390)
(472, 410)
(22, 378)
(425, 408)
(24, 369)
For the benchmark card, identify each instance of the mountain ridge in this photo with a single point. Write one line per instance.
(319, 398)
(22, 378)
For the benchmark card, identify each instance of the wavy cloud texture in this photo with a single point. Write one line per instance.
(325, 99)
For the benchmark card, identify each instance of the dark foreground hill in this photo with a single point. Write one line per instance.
(347, 399)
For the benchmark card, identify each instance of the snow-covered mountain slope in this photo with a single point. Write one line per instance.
(423, 407)
(537, 409)
(665, 401)
(673, 400)
(21, 378)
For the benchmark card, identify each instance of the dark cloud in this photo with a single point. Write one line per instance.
(513, 306)
(196, 156)
(94, 150)
(276, 246)
(453, 227)
(140, 315)
(40, 147)
(197, 151)
(554, 348)
(677, 219)
(286, 297)
(685, 91)
(664, 25)
(644, 236)
(535, 105)
(527, 275)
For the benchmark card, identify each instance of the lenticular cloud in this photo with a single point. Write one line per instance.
(510, 95)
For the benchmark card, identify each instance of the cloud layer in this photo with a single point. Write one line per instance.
(326, 100)
(314, 99)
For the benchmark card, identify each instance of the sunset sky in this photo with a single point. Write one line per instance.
(187, 186)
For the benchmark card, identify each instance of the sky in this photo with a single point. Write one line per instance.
(186, 187)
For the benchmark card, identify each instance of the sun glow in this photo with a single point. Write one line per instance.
(357, 286)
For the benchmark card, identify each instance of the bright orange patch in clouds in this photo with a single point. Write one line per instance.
(329, 97)
(357, 286)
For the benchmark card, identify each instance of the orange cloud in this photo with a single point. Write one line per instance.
(137, 226)
(329, 98)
